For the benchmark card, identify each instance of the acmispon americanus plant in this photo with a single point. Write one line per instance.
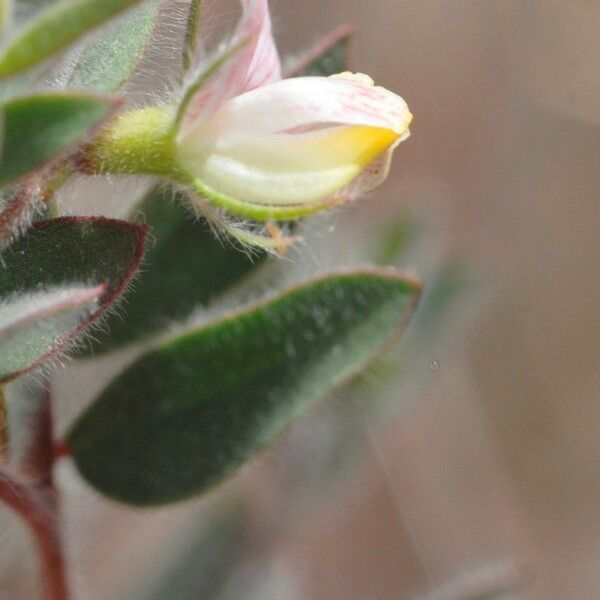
(256, 145)
(244, 146)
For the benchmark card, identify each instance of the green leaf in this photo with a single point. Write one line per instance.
(185, 267)
(61, 253)
(108, 61)
(53, 29)
(328, 57)
(37, 128)
(190, 412)
(33, 324)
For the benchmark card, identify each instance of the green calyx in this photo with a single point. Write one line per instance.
(138, 142)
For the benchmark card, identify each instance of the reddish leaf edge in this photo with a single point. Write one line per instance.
(62, 449)
(320, 47)
(85, 295)
(141, 232)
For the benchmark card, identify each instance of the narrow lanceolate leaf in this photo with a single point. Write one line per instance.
(191, 411)
(55, 28)
(186, 267)
(32, 324)
(65, 253)
(108, 61)
(38, 128)
(191, 42)
(328, 57)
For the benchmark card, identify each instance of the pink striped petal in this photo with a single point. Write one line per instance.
(302, 104)
(256, 63)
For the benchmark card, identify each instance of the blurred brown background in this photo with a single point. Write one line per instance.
(485, 476)
(500, 457)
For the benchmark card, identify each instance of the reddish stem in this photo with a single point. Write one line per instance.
(61, 450)
(35, 189)
(18, 211)
(33, 496)
(39, 458)
(3, 428)
(38, 508)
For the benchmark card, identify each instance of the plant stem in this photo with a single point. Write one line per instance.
(3, 427)
(32, 495)
(38, 460)
(37, 506)
(35, 190)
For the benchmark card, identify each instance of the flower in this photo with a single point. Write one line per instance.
(265, 147)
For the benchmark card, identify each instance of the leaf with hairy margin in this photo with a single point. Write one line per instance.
(49, 259)
(108, 61)
(184, 256)
(32, 324)
(53, 29)
(191, 411)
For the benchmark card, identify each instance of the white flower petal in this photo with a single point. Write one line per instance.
(289, 168)
(305, 102)
(298, 141)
